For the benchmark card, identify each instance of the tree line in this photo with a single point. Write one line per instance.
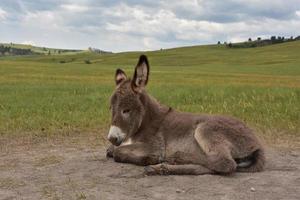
(7, 50)
(260, 42)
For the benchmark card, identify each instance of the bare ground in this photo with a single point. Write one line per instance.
(55, 170)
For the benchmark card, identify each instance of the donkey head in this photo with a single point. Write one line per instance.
(126, 106)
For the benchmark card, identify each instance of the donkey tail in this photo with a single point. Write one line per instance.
(253, 163)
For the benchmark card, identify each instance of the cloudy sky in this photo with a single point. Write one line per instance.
(144, 24)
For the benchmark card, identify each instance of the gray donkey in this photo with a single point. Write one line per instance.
(145, 132)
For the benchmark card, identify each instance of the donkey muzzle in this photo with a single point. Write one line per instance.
(116, 136)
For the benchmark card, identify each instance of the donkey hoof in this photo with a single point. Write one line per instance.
(109, 153)
(149, 171)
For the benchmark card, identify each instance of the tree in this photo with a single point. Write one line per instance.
(87, 62)
(259, 39)
(219, 42)
(249, 40)
(273, 38)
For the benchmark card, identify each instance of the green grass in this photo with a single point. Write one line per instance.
(259, 85)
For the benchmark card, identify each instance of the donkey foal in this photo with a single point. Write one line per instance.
(145, 132)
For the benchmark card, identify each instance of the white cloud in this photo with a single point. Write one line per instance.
(163, 22)
(153, 28)
(145, 25)
(44, 20)
(3, 14)
(74, 7)
(29, 43)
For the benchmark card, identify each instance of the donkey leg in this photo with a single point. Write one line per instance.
(221, 162)
(166, 169)
(138, 154)
(216, 149)
(110, 151)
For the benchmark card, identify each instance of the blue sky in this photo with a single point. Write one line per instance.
(144, 24)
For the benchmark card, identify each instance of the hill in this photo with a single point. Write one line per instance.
(11, 49)
(273, 59)
(44, 94)
(259, 42)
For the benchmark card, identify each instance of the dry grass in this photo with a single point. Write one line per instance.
(48, 160)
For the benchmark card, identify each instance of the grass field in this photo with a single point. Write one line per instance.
(42, 95)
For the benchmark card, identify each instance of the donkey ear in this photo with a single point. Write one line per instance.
(120, 76)
(141, 73)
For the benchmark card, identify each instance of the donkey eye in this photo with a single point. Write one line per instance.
(126, 111)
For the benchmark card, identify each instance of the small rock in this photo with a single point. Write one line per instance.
(179, 191)
(252, 189)
(294, 154)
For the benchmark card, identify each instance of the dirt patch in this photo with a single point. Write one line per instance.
(48, 160)
(61, 171)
